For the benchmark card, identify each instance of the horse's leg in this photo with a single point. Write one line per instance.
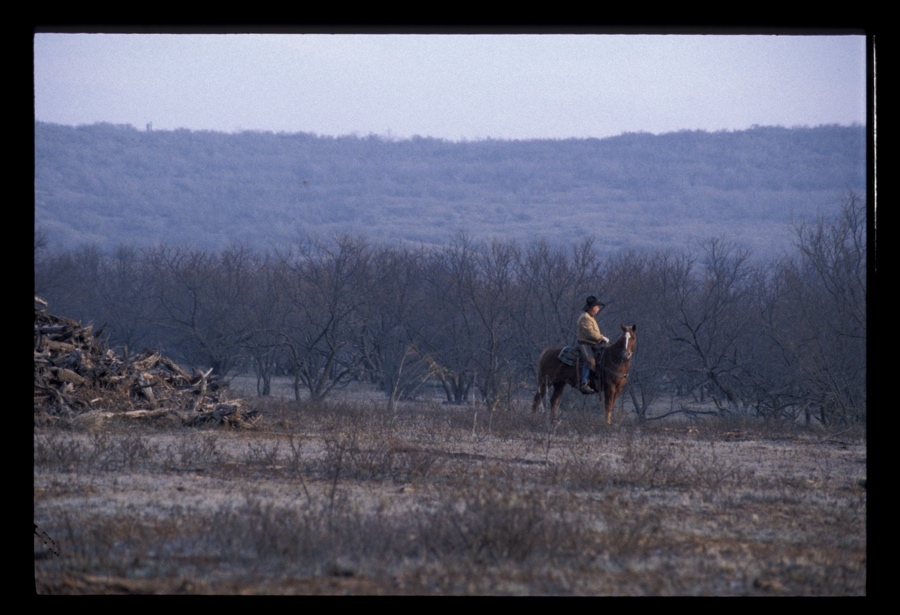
(539, 396)
(612, 393)
(558, 389)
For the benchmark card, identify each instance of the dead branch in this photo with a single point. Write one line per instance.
(75, 373)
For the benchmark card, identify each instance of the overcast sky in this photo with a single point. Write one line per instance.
(455, 87)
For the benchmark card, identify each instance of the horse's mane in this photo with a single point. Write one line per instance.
(617, 345)
(618, 350)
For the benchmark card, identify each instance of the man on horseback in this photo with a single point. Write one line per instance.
(589, 339)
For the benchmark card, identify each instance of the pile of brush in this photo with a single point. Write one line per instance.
(76, 373)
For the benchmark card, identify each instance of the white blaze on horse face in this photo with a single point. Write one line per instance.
(627, 339)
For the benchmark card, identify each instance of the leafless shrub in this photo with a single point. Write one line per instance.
(134, 450)
(57, 450)
(295, 457)
(330, 538)
(649, 462)
(262, 454)
(492, 523)
(193, 449)
(122, 545)
(281, 414)
(629, 525)
(363, 455)
(101, 443)
(713, 471)
(413, 464)
(582, 467)
(505, 419)
(103, 451)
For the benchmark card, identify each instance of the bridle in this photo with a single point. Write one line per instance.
(625, 355)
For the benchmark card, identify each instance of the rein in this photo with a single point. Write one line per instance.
(609, 370)
(616, 374)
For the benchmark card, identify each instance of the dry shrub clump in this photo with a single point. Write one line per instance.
(358, 498)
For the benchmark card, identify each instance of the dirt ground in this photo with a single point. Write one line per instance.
(431, 499)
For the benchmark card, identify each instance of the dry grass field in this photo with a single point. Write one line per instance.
(349, 498)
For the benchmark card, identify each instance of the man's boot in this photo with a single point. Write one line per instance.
(586, 387)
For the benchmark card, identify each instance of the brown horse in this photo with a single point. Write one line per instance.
(611, 373)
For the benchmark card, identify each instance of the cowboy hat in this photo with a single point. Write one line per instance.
(591, 302)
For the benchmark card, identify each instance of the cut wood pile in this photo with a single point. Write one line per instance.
(75, 373)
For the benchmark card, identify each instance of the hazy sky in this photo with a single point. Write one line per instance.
(512, 86)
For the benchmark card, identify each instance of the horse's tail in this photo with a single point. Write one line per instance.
(539, 374)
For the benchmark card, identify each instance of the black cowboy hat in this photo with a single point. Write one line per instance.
(591, 302)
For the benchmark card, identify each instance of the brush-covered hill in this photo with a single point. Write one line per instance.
(109, 184)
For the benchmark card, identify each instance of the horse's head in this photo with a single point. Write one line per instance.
(629, 344)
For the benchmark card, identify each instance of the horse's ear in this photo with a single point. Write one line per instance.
(624, 328)
(634, 327)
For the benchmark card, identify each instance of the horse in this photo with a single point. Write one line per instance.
(611, 373)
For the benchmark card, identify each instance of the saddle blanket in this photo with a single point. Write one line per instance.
(569, 354)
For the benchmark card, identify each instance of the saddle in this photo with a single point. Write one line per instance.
(569, 355)
(572, 355)
(575, 355)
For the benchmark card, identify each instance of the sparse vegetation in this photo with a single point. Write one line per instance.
(366, 498)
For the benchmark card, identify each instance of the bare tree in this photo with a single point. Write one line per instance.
(448, 334)
(705, 308)
(123, 299)
(324, 282)
(496, 298)
(555, 281)
(109, 290)
(266, 320)
(821, 306)
(391, 313)
(201, 299)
